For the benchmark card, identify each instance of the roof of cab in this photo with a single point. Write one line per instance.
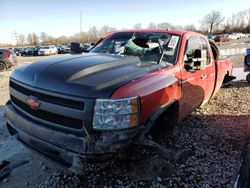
(176, 32)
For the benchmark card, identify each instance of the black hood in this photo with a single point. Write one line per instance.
(85, 75)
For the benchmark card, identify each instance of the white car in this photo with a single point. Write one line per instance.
(235, 36)
(48, 50)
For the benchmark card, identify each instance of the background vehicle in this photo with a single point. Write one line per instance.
(87, 47)
(132, 84)
(236, 36)
(48, 50)
(17, 51)
(247, 65)
(62, 49)
(7, 59)
(36, 50)
(221, 38)
(26, 51)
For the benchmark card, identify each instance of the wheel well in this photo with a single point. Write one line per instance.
(4, 64)
(165, 120)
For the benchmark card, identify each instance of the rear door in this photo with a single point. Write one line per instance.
(193, 82)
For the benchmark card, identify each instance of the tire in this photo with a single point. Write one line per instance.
(248, 77)
(165, 123)
(2, 67)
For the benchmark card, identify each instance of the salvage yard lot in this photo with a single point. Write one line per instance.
(212, 138)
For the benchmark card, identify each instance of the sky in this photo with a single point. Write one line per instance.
(62, 17)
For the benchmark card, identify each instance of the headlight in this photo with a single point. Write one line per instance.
(110, 114)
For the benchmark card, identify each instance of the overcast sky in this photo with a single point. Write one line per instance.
(62, 17)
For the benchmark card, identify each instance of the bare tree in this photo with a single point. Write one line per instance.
(21, 39)
(43, 37)
(50, 40)
(62, 40)
(30, 39)
(94, 33)
(247, 12)
(137, 26)
(33, 39)
(190, 27)
(164, 25)
(152, 25)
(106, 29)
(212, 21)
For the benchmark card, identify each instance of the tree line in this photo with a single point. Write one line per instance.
(212, 23)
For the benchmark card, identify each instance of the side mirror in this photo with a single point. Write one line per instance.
(197, 61)
(200, 59)
(75, 48)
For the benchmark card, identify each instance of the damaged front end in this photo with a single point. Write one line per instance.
(111, 133)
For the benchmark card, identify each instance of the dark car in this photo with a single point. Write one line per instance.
(7, 59)
(221, 38)
(35, 50)
(27, 51)
(17, 51)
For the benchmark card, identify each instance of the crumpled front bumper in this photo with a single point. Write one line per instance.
(68, 150)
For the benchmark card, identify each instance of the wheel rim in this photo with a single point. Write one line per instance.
(2, 67)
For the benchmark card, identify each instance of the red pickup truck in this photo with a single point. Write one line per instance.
(132, 83)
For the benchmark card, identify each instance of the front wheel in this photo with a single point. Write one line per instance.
(248, 78)
(165, 124)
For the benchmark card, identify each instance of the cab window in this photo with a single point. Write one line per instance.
(205, 47)
(193, 44)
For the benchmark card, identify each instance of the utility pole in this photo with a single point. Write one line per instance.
(80, 21)
(15, 36)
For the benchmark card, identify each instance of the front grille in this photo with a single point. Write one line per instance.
(49, 116)
(48, 98)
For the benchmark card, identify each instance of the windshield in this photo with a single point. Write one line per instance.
(153, 47)
(45, 47)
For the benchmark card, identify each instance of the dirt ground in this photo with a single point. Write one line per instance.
(152, 170)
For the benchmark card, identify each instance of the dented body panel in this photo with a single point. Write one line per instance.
(53, 102)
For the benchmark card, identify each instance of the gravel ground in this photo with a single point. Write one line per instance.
(213, 137)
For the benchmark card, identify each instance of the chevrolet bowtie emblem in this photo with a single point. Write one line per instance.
(33, 103)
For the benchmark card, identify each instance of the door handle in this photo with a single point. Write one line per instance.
(203, 76)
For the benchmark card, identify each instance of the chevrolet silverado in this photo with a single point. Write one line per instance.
(132, 84)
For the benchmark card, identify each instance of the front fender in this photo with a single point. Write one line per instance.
(155, 90)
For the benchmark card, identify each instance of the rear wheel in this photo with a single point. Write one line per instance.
(2, 66)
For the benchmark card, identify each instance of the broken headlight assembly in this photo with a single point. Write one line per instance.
(116, 114)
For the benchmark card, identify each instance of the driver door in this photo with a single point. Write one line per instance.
(193, 81)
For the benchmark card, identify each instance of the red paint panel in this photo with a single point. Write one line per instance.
(155, 90)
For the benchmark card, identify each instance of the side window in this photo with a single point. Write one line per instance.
(192, 45)
(205, 47)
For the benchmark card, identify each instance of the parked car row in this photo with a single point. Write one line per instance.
(228, 37)
(35, 50)
(49, 49)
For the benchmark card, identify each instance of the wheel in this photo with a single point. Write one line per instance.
(248, 78)
(165, 124)
(2, 66)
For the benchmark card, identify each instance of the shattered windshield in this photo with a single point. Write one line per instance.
(152, 47)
